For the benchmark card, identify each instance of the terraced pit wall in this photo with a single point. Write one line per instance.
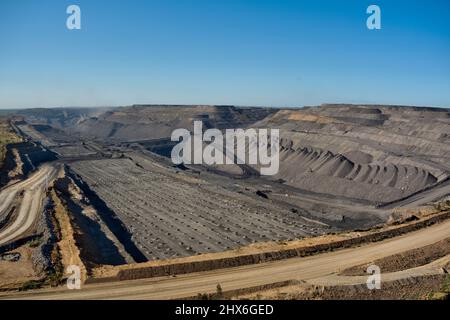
(213, 264)
(31, 155)
(109, 218)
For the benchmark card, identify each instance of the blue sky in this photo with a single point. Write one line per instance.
(253, 52)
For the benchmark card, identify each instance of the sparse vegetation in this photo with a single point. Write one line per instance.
(443, 293)
(203, 296)
(442, 205)
(32, 285)
(7, 136)
(55, 277)
(34, 243)
(219, 291)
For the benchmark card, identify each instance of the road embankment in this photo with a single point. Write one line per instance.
(279, 251)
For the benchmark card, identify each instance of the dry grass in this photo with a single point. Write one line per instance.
(70, 254)
(7, 136)
(14, 274)
(414, 288)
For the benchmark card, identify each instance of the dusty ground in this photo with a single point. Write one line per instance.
(69, 252)
(416, 288)
(301, 269)
(18, 170)
(30, 209)
(405, 260)
(13, 274)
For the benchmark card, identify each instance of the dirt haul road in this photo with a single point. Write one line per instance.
(421, 198)
(33, 190)
(308, 268)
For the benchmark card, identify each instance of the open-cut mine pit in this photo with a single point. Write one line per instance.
(342, 167)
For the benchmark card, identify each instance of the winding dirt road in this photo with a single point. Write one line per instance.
(32, 191)
(320, 266)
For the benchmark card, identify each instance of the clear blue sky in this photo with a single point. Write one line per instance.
(278, 53)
